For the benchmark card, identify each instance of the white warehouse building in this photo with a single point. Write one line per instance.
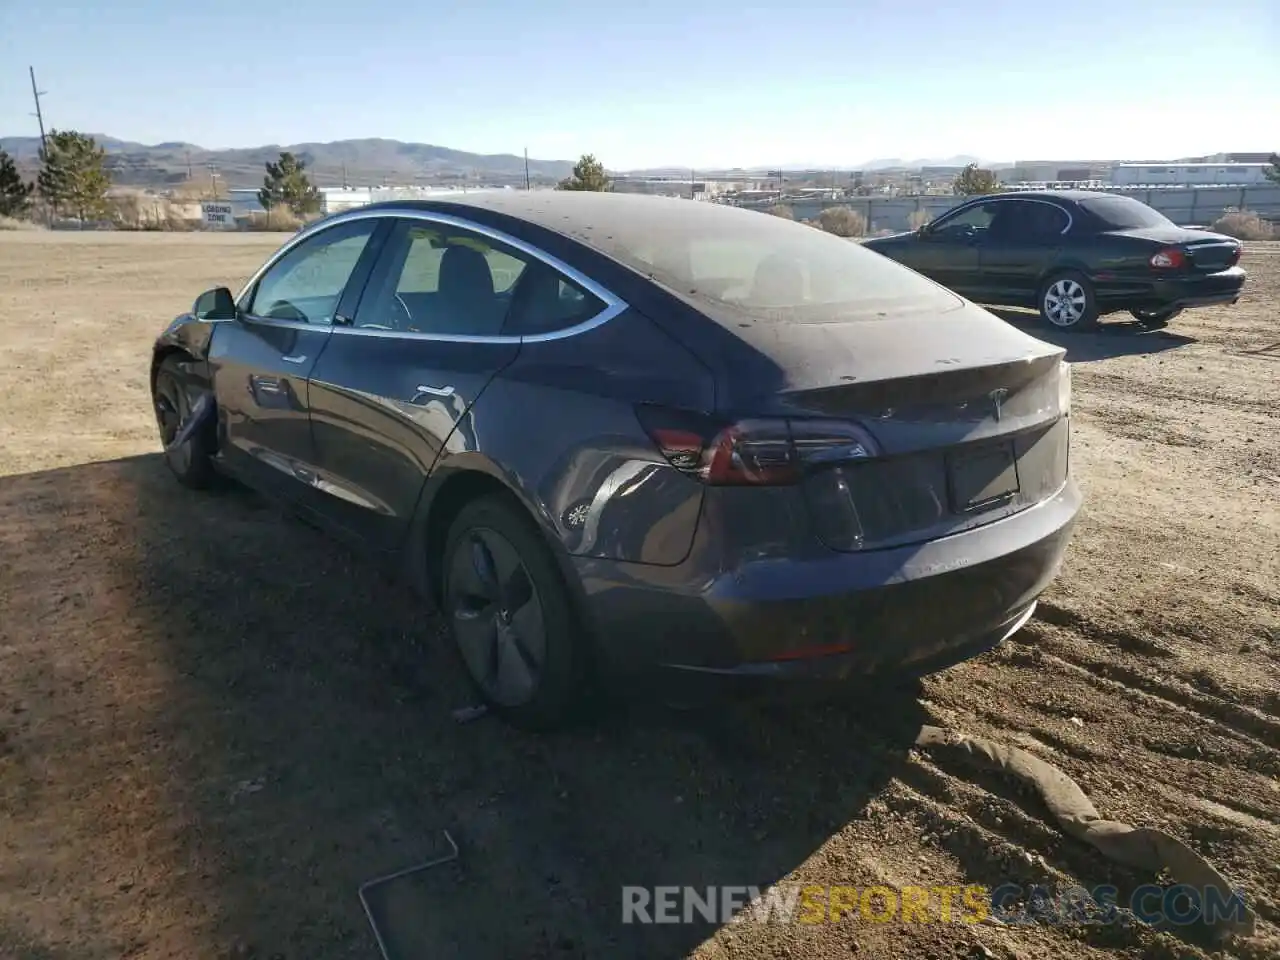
(1188, 174)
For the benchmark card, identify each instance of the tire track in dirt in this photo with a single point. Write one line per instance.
(1257, 727)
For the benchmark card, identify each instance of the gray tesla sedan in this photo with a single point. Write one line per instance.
(626, 438)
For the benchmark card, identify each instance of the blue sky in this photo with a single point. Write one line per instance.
(699, 82)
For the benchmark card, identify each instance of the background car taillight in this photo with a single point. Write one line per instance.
(1170, 258)
(754, 451)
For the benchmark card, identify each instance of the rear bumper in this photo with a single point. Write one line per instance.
(1175, 292)
(830, 618)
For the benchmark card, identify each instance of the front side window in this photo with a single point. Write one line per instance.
(444, 280)
(971, 221)
(306, 284)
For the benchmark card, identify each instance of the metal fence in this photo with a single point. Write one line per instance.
(1197, 206)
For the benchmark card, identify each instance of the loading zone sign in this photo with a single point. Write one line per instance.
(217, 215)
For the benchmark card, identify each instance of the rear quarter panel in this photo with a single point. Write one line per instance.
(558, 426)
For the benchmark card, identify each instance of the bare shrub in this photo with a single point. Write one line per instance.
(176, 222)
(126, 211)
(842, 221)
(781, 210)
(279, 219)
(11, 223)
(918, 219)
(1243, 225)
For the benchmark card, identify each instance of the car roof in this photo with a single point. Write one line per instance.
(1073, 195)
(590, 218)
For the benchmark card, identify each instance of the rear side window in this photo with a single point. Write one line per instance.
(1124, 213)
(441, 280)
(445, 280)
(1027, 220)
(547, 301)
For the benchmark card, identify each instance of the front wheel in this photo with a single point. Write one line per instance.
(511, 617)
(189, 461)
(1067, 302)
(1155, 318)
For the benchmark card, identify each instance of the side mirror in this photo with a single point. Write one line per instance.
(215, 304)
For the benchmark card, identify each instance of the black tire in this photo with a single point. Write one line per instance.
(189, 461)
(1066, 301)
(500, 586)
(1155, 318)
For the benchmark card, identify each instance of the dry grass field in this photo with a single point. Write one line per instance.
(215, 724)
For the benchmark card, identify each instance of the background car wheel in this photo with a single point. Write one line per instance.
(510, 616)
(1066, 301)
(188, 460)
(1155, 318)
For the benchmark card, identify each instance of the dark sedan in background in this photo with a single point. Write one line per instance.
(1073, 255)
(622, 436)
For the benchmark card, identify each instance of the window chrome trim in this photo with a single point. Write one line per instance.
(614, 305)
(995, 198)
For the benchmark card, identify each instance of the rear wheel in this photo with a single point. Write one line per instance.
(1155, 318)
(189, 461)
(1067, 302)
(510, 616)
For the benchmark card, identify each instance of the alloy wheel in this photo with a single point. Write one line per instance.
(496, 617)
(1065, 302)
(172, 409)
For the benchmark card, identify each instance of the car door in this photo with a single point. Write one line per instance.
(395, 385)
(261, 361)
(1021, 244)
(947, 251)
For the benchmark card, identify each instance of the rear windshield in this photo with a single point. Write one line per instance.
(755, 262)
(1124, 213)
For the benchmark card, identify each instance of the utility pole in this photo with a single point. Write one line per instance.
(693, 189)
(526, 168)
(37, 94)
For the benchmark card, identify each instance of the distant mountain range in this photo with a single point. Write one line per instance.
(809, 167)
(363, 163)
(960, 160)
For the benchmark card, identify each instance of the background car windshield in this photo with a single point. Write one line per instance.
(1124, 213)
(752, 261)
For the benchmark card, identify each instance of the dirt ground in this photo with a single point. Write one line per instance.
(215, 724)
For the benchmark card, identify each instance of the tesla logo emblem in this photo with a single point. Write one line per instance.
(998, 398)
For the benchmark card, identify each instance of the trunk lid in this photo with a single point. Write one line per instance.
(908, 377)
(1207, 252)
(965, 410)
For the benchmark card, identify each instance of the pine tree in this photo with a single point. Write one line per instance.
(588, 174)
(15, 193)
(73, 175)
(974, 180)
(287, 184)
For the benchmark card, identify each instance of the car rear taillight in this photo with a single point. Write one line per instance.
(1170, 258)
(1234, 257)
(754, 451)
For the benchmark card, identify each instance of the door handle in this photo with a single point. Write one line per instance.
(298, 358)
